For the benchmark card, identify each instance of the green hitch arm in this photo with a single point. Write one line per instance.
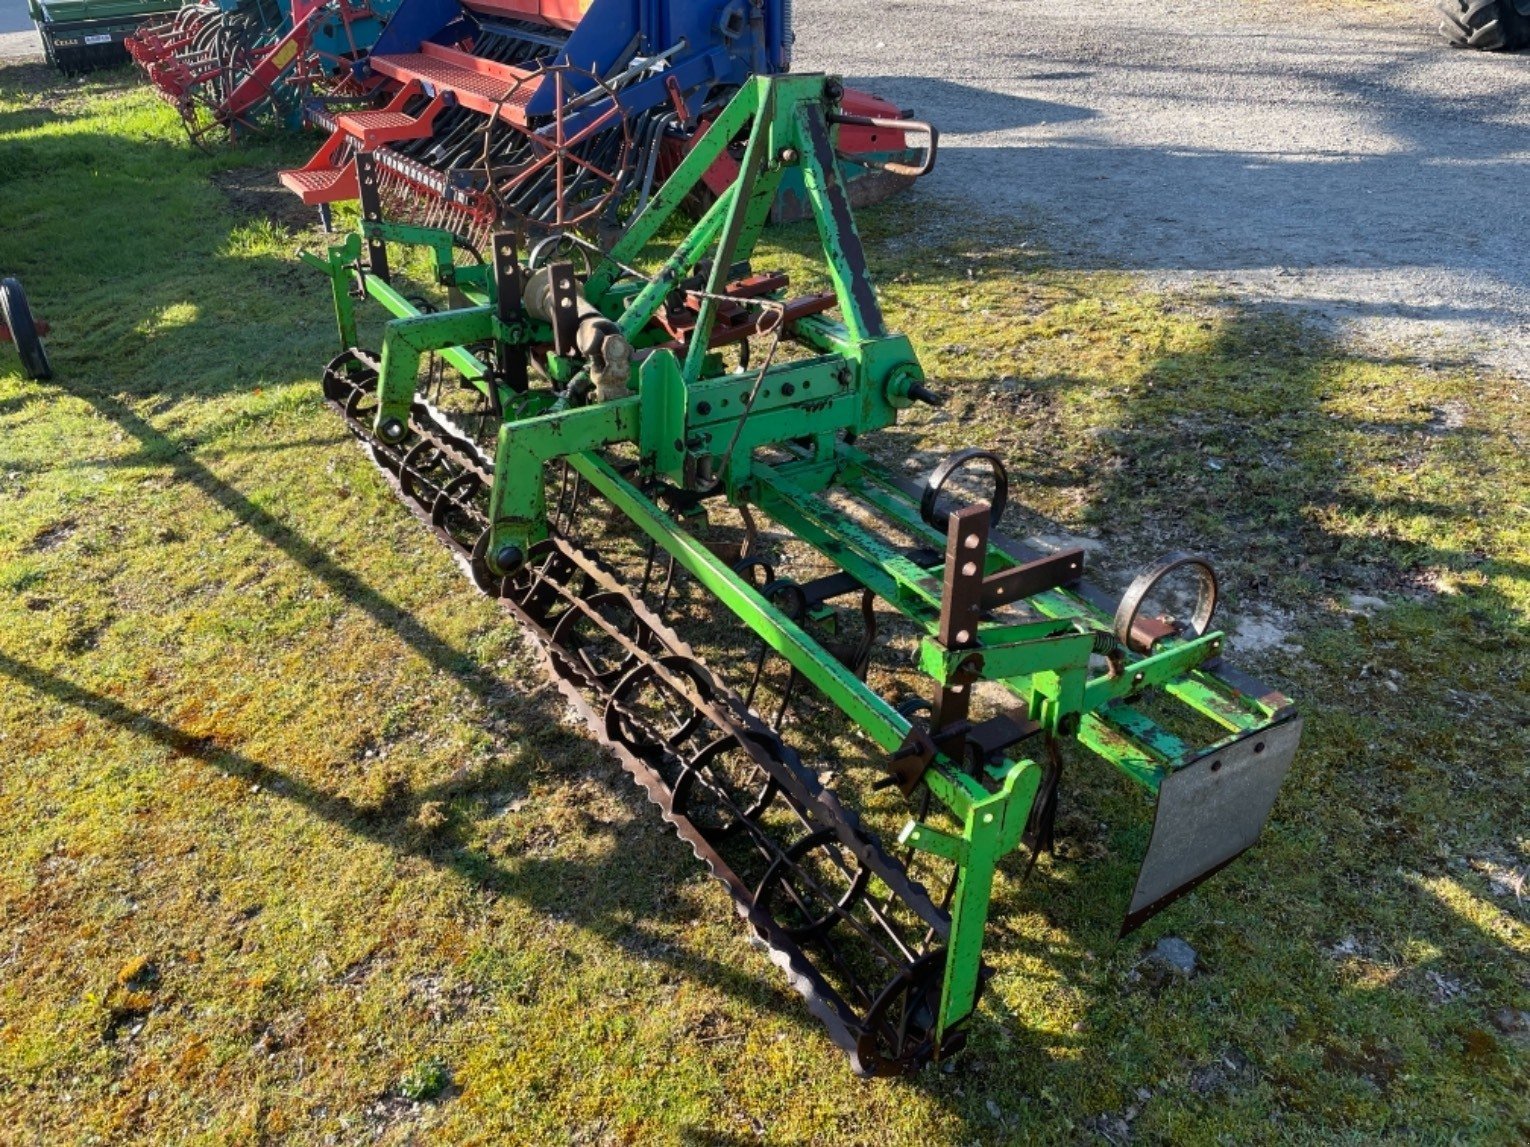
(339, 262)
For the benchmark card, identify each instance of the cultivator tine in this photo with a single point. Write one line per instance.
(1040, 833)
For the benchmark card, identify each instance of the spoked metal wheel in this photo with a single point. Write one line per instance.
(205, 108)
(900, 1024)
(723, 788)
(568, 166)
(646, 711)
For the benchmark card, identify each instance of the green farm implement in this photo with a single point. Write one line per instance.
(81, 35)
(661, 461)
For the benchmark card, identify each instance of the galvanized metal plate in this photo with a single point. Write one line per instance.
(1209, 812)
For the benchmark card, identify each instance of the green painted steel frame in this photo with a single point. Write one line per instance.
(684, 411)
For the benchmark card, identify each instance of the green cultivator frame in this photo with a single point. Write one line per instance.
(689, 396)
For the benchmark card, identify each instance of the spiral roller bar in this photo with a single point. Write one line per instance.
(870, 969)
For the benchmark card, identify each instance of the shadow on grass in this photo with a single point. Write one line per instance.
(1314, 478)
(388, 824)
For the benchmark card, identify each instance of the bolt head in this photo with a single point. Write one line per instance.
(506, 560)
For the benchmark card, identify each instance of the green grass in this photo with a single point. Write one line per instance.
(298, 847)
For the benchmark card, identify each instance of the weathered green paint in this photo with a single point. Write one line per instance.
(518, 501)
(1160, 669)
(407, 340)
(1107, 738)
(991, 828)
(661, 430)
(849, 544)
(750, 199)
(1005, 659)
(1212, 699)
(840, 241)
(337, 263)
(668, 199)
(687, 411)
(1160, 744)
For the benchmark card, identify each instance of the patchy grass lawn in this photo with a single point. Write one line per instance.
(298, 847)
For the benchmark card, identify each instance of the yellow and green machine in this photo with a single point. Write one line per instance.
(82, 35)
(662, 461)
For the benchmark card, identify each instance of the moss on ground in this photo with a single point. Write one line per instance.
(298, 848)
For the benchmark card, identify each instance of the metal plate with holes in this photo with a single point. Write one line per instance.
(1209, 812)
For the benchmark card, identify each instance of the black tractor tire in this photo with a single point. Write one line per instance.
(17, 315)
(1486, 25)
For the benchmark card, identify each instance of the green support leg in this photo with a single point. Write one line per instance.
(405, 341)
(338, 263)
(992, 828)
(518, 501)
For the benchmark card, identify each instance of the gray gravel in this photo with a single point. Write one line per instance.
(1350, 166)
(18, 37)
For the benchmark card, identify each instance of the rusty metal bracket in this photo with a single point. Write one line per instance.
(565, 317)
(907, 766)
(1063, 568)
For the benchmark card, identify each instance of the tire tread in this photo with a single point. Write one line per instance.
(1484, 25)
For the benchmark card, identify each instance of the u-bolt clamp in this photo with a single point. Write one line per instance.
(882, 123)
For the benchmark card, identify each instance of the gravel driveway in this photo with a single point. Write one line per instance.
(1301, 156)
(18, 38)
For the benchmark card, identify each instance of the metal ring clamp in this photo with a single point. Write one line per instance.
(1148, 580)
(936, 482)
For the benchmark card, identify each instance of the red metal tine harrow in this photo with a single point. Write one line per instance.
(245, 70)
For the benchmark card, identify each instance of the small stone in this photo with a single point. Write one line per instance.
(1175, 956)
(1366, 604)
(1511, 1021)
(1111, 1128)
(1206, 1080)
(993, 1109)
